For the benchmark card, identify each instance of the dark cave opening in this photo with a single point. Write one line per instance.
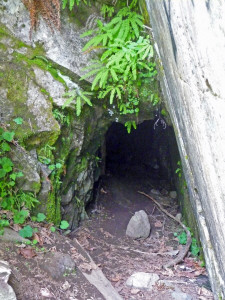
(149, 152)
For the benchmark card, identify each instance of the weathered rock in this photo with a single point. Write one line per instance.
(181, 296)
(192, 78)
(6, 291)
(58, 264)
(173, 194)
(138, 226)
(142, 280)
(12, 236)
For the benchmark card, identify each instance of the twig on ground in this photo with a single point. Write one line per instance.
(185, 249)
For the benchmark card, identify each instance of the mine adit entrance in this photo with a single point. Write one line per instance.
(148, 153)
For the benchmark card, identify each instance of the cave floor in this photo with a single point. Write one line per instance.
(103, 236)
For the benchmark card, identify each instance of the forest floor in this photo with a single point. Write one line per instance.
(103, 237)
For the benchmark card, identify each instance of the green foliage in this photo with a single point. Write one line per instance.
(126, 60)
(53, 229)
(182, 238)
(61, 117)
(18, 121)
(107, 11)
(71, 3)
(64, 224)
(178, 171)
(79, 97)
(40, 217)
(26, 232)
(20, 216)
(129, 125)
(12, 199)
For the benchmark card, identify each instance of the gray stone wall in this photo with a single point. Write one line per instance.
(190, 39)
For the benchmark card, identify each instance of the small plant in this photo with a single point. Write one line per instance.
(178, 171)
(61, 117)
(26, 232)
(182, 238)
(64, 224)
(18, 202)
(129, 125)
(79, 97)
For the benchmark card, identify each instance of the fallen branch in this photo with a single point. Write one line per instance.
(185, 249)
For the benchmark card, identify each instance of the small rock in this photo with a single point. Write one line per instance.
(134, 291)
(58, 265)
(12, 236)
(173, 194)
(155, 192)
(178, 216)
(138, 226)
(181, 296)
(142, 280)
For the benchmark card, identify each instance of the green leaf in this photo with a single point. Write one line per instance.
(51, 167)
(8, 135)
(7, 164)
(2, 173)
(18, 121)
(26, 232)
(40, 217)
(87, 33)
(20, 216)
(112, 94)
(53, 229)
(58, 165)
(64, 224)
(5, 147)
(78, 106)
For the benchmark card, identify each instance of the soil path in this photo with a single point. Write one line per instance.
(103, 235)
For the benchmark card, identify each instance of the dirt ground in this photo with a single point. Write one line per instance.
(103, 237)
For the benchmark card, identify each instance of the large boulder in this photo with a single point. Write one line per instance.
(190, 40)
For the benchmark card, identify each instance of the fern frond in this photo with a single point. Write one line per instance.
(113, 91)
(78, 106)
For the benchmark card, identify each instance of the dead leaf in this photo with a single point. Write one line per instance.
(38, 238)
(16, 227)
(66, 286)
(46, 293)
(27, 252)
(103, 191)
(87, 267)
(116, 277)
(158, 224)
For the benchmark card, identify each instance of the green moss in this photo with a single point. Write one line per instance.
(42, 63)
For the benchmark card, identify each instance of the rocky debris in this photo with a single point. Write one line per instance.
(173, 194)
(12, 236)
(6, 291)
(58, 264)
(181, 296)
(138, 226)
(142, 280)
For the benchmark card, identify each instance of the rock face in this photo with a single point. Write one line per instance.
(34, 76)
(138, 226)
(190, 39)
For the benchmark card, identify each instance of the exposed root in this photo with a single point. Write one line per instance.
(185, 249)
